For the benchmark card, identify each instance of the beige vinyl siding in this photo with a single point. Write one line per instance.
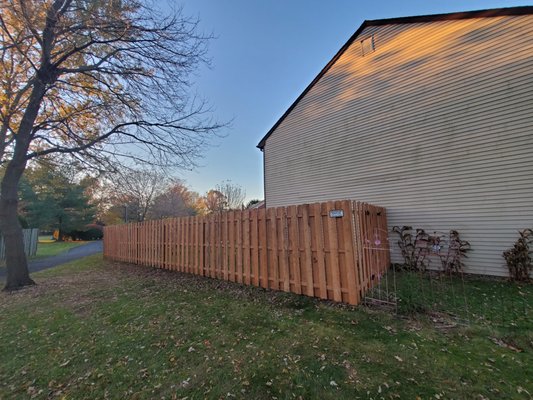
(436, 125)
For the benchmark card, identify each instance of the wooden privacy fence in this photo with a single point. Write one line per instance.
(333, 250)
(30, 237)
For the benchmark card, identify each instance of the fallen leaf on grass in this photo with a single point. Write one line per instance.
(521, 390)
(501, 343)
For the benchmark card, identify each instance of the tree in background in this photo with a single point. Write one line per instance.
(233, 195)
(93, 81)
(213, 201)
(131, 193)
(138, 195)
(226, 196)
(176, 201)
(54, 199)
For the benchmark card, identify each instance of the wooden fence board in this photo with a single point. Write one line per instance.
(272, 228)
(254, 247)
(282, 248)
(238, 245)
(263, 247)
(212, 247)
(333, 254)
(246, 246)
(349, 252)
(308, 260)
(224, 249)
(201, 245)
(294, 255)
(231, 245)
(216, 243)
(321, 262)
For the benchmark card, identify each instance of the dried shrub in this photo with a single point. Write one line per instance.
(416, 246)
(518, 258)
(452, 259)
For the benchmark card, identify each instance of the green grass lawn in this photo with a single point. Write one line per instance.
(93, 329)
(46, 239)
(48, 249)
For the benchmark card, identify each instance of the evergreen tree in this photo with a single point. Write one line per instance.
(52, 198)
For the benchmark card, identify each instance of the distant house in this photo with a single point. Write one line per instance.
(428, 116)
(258, 205)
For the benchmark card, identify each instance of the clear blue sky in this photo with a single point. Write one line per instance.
(265, 54)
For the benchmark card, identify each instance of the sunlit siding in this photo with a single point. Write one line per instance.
(436, 125)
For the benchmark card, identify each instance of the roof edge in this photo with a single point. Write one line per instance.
(493, 12)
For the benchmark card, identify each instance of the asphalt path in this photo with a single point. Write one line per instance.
(70, 255)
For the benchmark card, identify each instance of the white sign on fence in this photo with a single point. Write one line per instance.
(336, 213)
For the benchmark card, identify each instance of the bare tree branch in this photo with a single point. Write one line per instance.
(96, 83)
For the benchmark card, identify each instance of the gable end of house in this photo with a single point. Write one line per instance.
(487, 13)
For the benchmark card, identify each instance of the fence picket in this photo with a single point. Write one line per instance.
(231, 246)
(254, 247)
(319, 232)
(282, 248)
(263, 248)
(238, 246)
(201, 244)
(349, 253)
(294, 251)
(224, 248)
(272, 227)
(308, 260)
(333, 254)
(246, 247)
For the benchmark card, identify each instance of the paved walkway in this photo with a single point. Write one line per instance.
(73, 254)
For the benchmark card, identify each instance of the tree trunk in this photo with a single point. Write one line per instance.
(17, 265)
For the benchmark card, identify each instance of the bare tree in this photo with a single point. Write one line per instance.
(134, 191)
(95, 81)
(233, 195)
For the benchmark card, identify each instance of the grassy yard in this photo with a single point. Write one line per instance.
(48, 249)
(93, 329)
(46, 239)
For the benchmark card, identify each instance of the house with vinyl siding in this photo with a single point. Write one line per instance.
(428, 116)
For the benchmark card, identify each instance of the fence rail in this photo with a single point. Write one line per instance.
(333, 250)
(30, 236)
